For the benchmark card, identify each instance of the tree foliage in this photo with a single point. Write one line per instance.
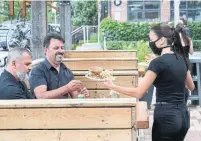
(85, 13)
(5, 11)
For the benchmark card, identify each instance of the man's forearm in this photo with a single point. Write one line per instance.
(74, 94)
(53, 94)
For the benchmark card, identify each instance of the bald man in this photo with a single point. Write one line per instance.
(12, 85)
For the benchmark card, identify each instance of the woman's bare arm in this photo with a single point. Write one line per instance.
(189, 82)
(138, 92)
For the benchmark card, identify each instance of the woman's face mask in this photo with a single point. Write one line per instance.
(155, 50)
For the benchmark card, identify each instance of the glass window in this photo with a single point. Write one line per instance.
(191, 4)
(190, 9)
(183, 13)
(104, 9)
(152, 15)
(136, 4)
(144, 10)
(172, 4)
(137, 15)
(194, 15)
(182, 4)
(152, 5)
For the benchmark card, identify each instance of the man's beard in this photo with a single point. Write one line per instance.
(22, 76)
(58, 58)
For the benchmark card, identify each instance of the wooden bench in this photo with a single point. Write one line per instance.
(72, 119)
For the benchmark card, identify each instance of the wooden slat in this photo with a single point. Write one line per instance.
(133, 116)
(67, 135)
(123, 78)
(142, 67)
(128, 81)
(65, 118)
(99, 59)
(142, 118)
(115, 73)
(115, 64)
(101, 54)
(100, 102)
(104, 94)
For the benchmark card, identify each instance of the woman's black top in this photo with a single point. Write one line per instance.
(171, 73)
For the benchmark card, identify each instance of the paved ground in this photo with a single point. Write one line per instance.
(194, 133)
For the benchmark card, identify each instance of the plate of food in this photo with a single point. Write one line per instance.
(96, 73)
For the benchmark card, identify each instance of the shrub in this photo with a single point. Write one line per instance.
(93, 38)
(197, 45)
(136, 31)
(141, 47)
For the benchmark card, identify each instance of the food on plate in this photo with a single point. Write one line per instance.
(100, 73)
(95, 70)
(107, 74)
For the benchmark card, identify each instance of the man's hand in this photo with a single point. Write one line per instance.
(85, 92)
(74, 85)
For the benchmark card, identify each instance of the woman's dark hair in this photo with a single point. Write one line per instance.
(172, 36)
(180, 29)
(50, 36)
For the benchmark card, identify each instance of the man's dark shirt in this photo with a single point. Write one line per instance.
(11, 88)
(45, 74)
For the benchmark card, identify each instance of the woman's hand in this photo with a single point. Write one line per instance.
(109, 84)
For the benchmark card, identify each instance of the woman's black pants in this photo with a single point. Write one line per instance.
(186, 92)
(171, 122)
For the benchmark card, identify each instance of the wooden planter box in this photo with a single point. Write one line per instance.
(123, 63)
(72, 119)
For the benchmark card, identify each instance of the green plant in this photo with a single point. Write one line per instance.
(142, 50)
(125, 31)
(129, 36)
(121, 45)
(93, 38)
(136, 31)
(140, 46)
(85, 12)
(195, 30)
(197, 45)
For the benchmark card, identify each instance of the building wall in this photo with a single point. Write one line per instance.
(119, 13)
(165, 11)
